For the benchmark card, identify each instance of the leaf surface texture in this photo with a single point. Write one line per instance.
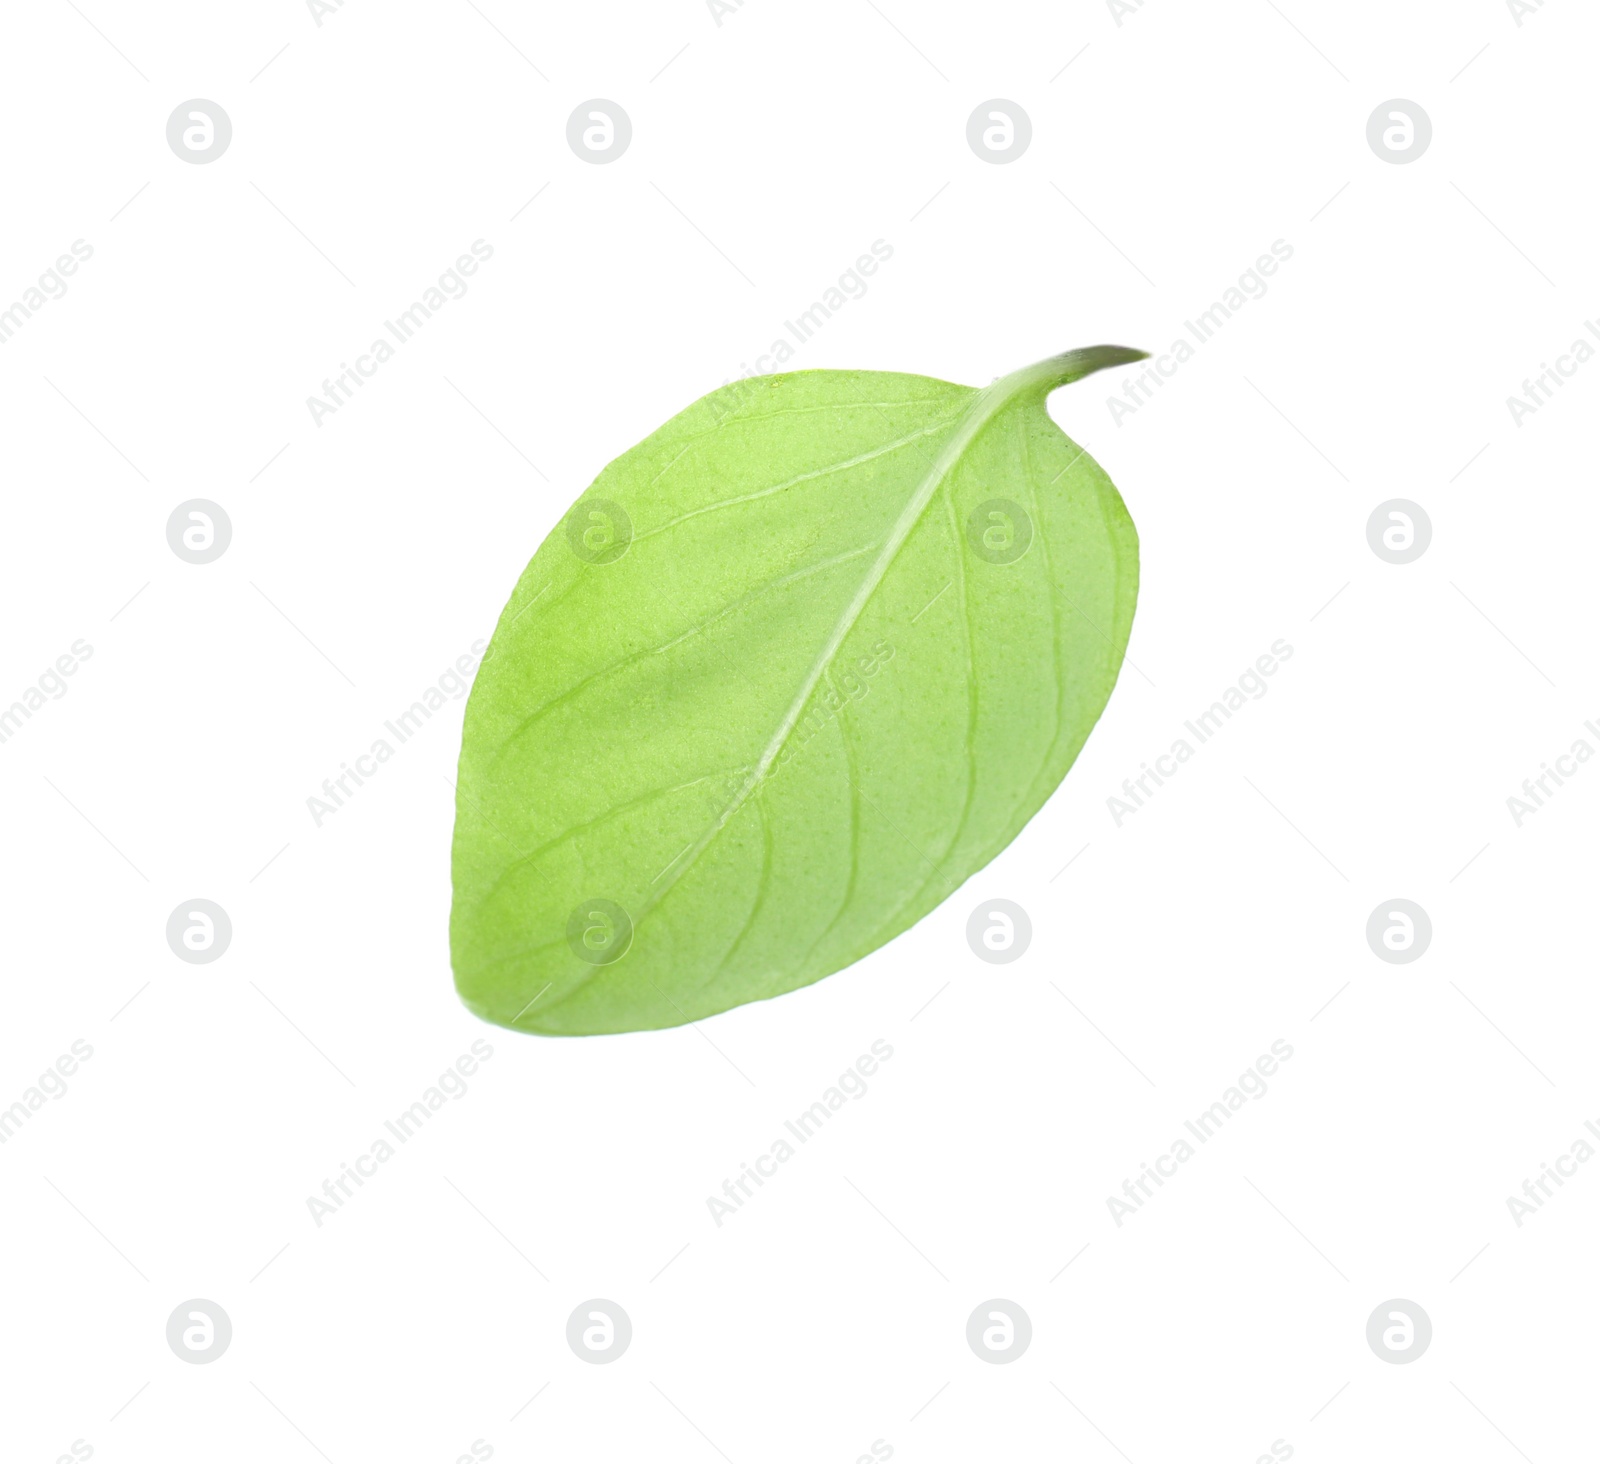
(790, 671)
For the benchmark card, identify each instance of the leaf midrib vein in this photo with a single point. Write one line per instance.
(980, 411)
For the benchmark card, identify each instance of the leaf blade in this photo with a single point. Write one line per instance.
(794, 536)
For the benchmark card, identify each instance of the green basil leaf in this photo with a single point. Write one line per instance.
(793, 669)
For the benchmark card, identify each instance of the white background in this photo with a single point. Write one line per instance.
(1227, 913)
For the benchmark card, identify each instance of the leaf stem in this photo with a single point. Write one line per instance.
(1045, 376)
